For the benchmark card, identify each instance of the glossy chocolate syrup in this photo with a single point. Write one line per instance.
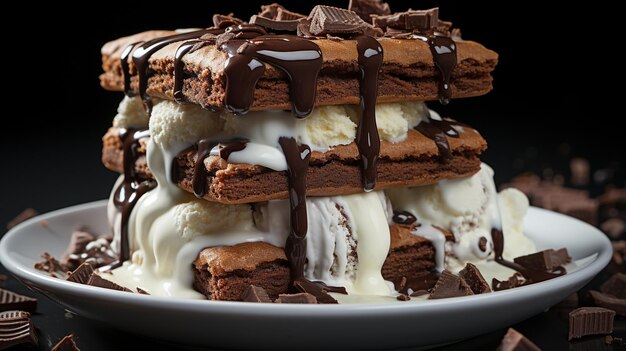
(443, 50)
(228, 147)
(126, 68)
(403, 217)
(437, 131)
(370, 58)
(142, 54)
(531, 275)
(200, 172)
(300, 59)
(130, 190)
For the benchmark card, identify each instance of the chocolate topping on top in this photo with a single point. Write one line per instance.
(223, 21)
(412, 20)
(336, 21)
(366, 8)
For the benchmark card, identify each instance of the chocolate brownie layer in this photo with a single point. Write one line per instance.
(225, 272)
(413, 162)
(408, 73)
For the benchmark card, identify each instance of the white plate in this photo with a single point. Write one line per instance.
(277, 326)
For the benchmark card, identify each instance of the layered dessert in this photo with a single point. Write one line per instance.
(292, 158)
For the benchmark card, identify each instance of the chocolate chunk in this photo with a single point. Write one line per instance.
(305, 298)
(66, 344)
(286, 15)
(474, 279)
(413, 20)
(142, 291)
(608, 301)
(24, 215)
(82, 274)
(418, 293)
(78, 243)
(316, 289)
(96, 280)
(256, 294)
(403, 217)
(270, 11)
(16, 328)
(482, 244)
(50, 265)
(275, 25)
(403, 297)
(590, 321)
(516, 341)
(223, 21)
(14, 301)
(365, 8)
(513, 282)
(333, 20)
(450, 285)
(545, 260)
(616, 286)
(456, 34)
(610, 340)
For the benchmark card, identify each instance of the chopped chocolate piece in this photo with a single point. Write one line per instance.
(546, 260)
(334, 20)
(16, 328)
(99, 251)
(513, 282)
(96, 280)
(413, 20)
(319, 291)
(614, 227)
(78, 243)
(403, 297)
(256, 294)
(66, 344)
(283, 14)
(608, 301)
(579, 168)
(590, 321)
(142, 291)
(516, 341)
(274, 25)
(270, 11)
(456, 34)
(450, 285)
(616, 286)
(14, 301)
(50, 265)
(24, 215)
(305, 298)
(223, 21)
(482, 244)
(474, 279)
(81, 274)
(610, 340)
(365, 8)
(403, 217)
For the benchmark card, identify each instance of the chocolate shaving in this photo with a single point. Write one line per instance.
(474, 279)
(513, 282)
(304, 298)
(286, 15)
(16, 328)
(336, 21)
(450, 285)
(516, 341)
(546, 260)
(608, 301)
(14, 301)
(275, 25)
(270, 11)
(616, 286)
(66, 344)
(366, 8)
(24, 215)
(590, 321)
(223, 21)
(256, 294)
(81, 274)
(50, 265)
(96, 280)
(413, 20)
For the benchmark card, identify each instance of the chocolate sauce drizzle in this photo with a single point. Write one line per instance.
(142, 54)
(531, 275)
(403, 217)
(443, 50)
(300, 59)
(438, 131)
(130, 190)
(126, 67)
(228, 147)
(368, 141)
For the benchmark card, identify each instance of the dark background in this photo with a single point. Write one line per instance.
(544, 109)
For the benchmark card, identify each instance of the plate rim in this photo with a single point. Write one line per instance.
(59, 286)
